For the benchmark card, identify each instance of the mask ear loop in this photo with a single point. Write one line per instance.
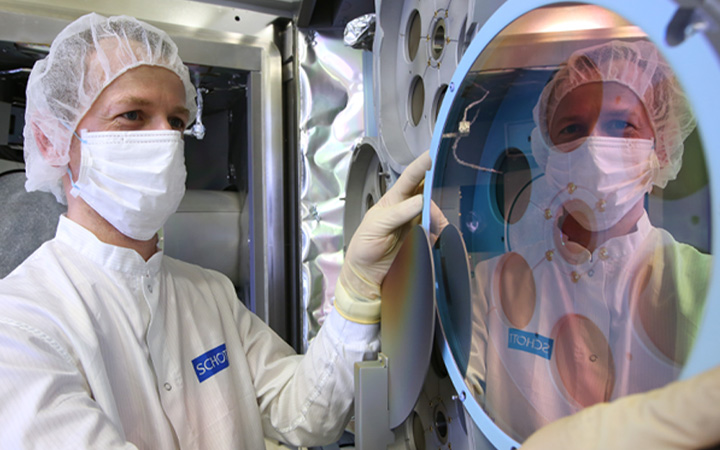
(654, 165)
(72, 130)
(75, 189)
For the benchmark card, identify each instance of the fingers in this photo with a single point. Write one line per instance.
(401, 213)
(409, 180)
(438, 221)
(642, 419)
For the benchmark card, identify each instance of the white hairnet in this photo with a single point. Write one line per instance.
(639, 66)
(84, 58)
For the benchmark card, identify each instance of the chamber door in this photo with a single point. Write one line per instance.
(571, 201)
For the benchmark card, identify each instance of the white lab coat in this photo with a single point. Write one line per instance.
(100, 349)
(557, 329)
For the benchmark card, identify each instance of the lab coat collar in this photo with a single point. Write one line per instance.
(614, 249)
(623, 246)
(111, 257)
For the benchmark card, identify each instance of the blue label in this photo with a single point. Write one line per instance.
(210, 363)
(530, 342)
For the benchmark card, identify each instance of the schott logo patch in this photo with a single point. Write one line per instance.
(530, 342)
(210, 363)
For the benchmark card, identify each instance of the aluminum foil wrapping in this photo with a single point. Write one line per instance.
(331, 123)
(359, 33)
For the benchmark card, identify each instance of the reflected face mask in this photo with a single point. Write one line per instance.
(134, 179)
(616, 171)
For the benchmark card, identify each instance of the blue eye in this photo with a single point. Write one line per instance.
(177, 123)
(620, 128)
(619, 125)
(570, 129)
(575, 130)
(131, 115)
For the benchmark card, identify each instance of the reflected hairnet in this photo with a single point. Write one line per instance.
(84, 58)
(639, 66)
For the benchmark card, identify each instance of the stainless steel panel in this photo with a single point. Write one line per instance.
(188, 14)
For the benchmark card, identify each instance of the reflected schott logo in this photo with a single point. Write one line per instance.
(530, 342)
(210, 363)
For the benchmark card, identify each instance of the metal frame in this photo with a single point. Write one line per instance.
(188, 14)
(704, 93)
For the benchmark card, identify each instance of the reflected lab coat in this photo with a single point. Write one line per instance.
(100, 349)
(624, 324)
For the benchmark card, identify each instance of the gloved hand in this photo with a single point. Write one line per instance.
(438, 222)
(375, 243)
(682, 415)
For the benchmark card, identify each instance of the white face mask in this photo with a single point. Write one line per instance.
(615, 171)
(133, 179)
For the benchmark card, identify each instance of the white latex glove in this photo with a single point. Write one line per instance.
(375, 243)
(682, 415)
(438, 222)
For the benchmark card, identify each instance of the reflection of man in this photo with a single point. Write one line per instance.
(595, 303)
(107, 343)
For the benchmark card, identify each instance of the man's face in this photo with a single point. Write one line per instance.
(599, 109)
(143, 98)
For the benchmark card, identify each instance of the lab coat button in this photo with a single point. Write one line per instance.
(167, 386)
(149, 286)
(601, 205)
(603, 253)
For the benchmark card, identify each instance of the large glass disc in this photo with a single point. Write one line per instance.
(571, 170)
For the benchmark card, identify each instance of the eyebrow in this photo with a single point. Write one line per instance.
(181, 110)
(570, 118)
(628, 114)
(133, 100)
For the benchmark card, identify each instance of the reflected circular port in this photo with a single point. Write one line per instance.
(381, 182)
(437, 102)
(438, 39)
(369, 202)
(412, 34)
(416, 100)
(512, 184)
(467, 32)
(441, 425)
(418, 432)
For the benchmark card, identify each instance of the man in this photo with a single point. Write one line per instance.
(597, 303)
(107, 343)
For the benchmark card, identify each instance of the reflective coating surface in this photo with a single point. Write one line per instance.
(578, 186)
(408, 323)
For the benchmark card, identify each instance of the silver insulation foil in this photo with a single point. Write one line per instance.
(359, 33)
(331, 124)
